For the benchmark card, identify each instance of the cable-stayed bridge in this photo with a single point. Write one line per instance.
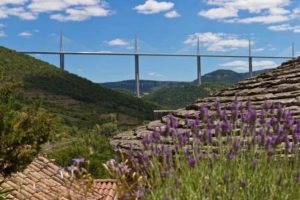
(136, 55)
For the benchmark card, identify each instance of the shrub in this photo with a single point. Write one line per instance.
(22, 132)
(238, 153)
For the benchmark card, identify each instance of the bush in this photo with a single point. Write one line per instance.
(241, 154)
(22, 132)
(92, 144)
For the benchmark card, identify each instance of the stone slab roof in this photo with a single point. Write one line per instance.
(281, 84)
(41, 180)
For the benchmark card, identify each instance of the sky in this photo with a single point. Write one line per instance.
(161, 26)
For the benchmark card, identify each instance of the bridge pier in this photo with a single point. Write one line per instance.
(62, 61)
(199, 73)
(137, 68)
(137, 75)
(250, 61)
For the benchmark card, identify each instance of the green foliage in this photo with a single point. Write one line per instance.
(146, 86)
(176, 97)
(77, 100)
(86, 113)
(270, 178)
(93, 145)
(22, 132)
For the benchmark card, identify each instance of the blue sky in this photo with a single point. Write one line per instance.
(162, 26)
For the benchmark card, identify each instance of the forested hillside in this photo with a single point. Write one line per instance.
(180, 96)
(86, 114)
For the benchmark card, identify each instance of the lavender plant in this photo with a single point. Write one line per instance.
(76, 177)
(237, 152)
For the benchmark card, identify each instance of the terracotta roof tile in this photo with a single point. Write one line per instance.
(41, 181)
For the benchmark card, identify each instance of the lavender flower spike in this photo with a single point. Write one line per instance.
(243, 183)
(78, 160)
(72, 168)
(192, 161)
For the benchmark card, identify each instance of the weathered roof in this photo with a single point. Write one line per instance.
(281, 85)
(42, 180)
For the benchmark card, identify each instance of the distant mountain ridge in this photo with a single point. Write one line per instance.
(218, 76)
(145, 85)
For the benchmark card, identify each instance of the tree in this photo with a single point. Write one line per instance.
(22, 131)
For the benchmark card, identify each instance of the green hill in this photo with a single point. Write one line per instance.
(180, 96)
(227, 76)
(77, 100)
(86, 113)
(147, 86)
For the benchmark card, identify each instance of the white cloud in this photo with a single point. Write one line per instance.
(243, 66)
(153, 7)
(2, 34)
(285, 27)
(219, 13)
(217, 41)
(61, 10)
(25, 34)
(172, 14)
(155, 74)
(6, 11)
(117, 42)
(13, 2)
(258, 49)
(268, 19)
(259, 11)
(81, 14)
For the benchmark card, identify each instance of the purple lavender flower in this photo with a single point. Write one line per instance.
(230, 156)
(254, 163)
(124, 167)
(78, 161)
(168, 152)
(72, 168)
(138, 194)
(156, 135)
(192, 161)
(226, 128)
(146, 140)
(296, 137)
(289, 146)
(226, 177)
(243, 183)
(208, 135)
